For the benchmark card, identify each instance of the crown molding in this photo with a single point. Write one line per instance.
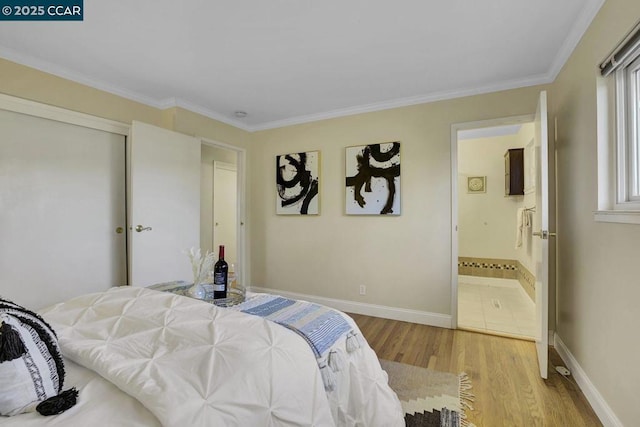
(195, 108)
(406, 102)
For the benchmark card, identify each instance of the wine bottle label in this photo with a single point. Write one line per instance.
(219, 282)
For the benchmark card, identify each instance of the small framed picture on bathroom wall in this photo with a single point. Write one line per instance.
(476, 184)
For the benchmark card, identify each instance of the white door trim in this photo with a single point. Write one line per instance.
(241, 153)
(455, 127)
(37, 109)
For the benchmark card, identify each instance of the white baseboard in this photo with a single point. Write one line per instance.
(403, 314)
(599, 405)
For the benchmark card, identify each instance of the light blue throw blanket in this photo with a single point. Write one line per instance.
(320, 326)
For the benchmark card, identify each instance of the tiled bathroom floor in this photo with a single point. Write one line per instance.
(495, 305)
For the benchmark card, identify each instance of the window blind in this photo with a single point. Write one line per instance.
(621, 52)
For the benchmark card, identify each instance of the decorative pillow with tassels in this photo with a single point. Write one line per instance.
(31, 366)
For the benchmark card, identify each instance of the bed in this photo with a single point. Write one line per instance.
(140, 357)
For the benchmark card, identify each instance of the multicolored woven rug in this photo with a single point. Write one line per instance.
(430, 398)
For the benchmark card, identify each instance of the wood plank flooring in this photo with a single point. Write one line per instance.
(503, 371)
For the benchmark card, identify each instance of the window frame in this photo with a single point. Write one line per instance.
(627, 81)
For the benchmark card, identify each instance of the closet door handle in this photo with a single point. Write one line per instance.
(543, 234)
(140, 228)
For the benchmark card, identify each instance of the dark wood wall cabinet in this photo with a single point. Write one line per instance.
(514, 172)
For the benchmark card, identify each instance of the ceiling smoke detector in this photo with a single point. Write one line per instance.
(240, 114)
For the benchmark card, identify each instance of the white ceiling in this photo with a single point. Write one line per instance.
(294, 61)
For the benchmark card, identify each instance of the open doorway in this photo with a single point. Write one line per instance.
(222, 202)
(495, 201)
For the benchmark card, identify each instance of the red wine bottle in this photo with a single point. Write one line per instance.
(220, 275)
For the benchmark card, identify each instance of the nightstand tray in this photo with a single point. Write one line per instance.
(180, 287)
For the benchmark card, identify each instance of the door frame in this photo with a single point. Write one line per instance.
(241, 158)
(455, 127)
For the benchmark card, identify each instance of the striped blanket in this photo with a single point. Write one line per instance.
(320, 326)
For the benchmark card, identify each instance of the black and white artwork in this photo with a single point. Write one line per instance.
(297, 183)
(373, 179)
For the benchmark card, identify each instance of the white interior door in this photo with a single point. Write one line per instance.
(164, 202)
(541, 230)
(225, 212)
(62, 196)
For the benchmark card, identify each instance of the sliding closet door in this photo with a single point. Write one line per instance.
(62, 197)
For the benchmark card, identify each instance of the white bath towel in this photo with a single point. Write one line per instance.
(520, 225)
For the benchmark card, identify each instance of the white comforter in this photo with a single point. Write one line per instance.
(193, 364)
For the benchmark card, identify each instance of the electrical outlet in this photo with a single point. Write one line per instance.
(363, 290)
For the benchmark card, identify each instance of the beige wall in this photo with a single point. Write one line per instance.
(486, 221)
(598, 279)
(404, 261)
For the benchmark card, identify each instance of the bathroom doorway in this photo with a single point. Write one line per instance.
(495, 286)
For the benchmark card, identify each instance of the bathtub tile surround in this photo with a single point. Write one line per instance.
(527, 280)
(487, 267)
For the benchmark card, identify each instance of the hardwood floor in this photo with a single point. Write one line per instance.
(503, 371)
